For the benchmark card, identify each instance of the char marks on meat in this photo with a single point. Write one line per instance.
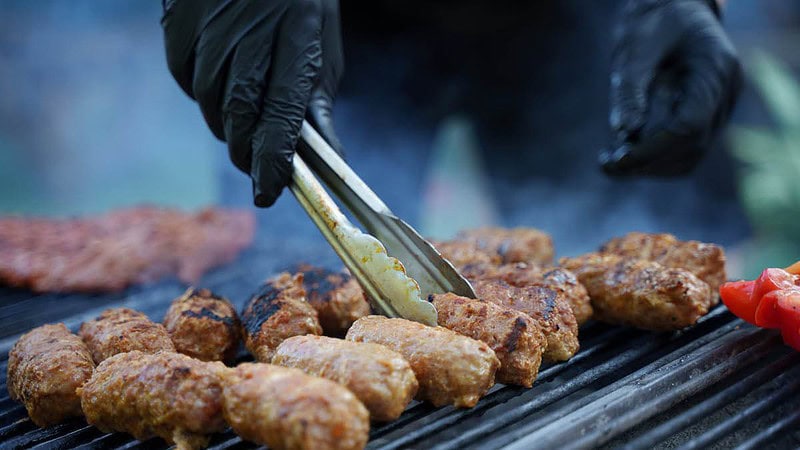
(110, 252)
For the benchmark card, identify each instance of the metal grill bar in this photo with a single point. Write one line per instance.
(647, 392)
(713, 403)
(498, 397)
(580, 376)
(781, 387)
(614, 372)
(770, 433)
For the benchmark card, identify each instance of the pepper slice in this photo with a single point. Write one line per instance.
(772, 280)
(794, 268)
(738, 297)
(788, 307)
(767, 314)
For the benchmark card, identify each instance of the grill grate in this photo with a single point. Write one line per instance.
(719, 384)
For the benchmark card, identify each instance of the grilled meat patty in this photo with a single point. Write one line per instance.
(107, 253)
(45, 367)
(706, 261)
(496, 245)
(119, 330)
(547, 306)
(286, 409)
(529, 275)
(380, 378)
(279, 310)
(450, 368)
(465, 253)
(203, 326)
(513, 244)
(169, 395)
(515, 338)
(639, 293)
(336, 296)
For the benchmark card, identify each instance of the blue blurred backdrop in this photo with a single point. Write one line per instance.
(90, 119)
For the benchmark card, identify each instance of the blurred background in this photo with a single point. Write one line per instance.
(457, 114)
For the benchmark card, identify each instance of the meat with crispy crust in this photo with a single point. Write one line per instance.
(203, 325)
(450, 368)
(381, 378)
(279, 310)
(515, 338)
(639, 293)
(109, 252)
(706, 261)
(169, 395)
(524, 275)
(463, 253)
(45, 367)
(336, 296)
(547, 306)
(512, 245)
(119, 330)
(286, 409)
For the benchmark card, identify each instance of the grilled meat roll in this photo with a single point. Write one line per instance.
(337, 297)
(203, 326)
(169, 395)
(284, 408)
(525, 275)
(278, 311)
(450, 368)
(547, 306)
(45, 367)
(512, 245)
(515, 338)
(120, 330)
(705, 261)
(639, 293)
(492, 245)
(465, 253)
(381, 378)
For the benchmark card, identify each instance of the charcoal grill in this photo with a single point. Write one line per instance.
(722, 383)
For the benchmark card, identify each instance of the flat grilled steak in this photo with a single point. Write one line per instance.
(113, 251)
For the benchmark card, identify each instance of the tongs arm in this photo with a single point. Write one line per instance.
(390, 291)
(422, 261)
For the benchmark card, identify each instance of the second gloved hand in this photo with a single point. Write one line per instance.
(257, 69)
(675, 77)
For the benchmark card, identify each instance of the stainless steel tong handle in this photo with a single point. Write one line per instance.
(428, 270)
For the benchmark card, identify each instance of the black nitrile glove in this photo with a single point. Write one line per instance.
(675, 77)
(257, 68)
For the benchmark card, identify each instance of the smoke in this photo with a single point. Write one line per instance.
(90, 119)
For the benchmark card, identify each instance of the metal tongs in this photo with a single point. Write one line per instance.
(396, 283)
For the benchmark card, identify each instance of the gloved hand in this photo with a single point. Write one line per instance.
(675, 77)
(257, 68)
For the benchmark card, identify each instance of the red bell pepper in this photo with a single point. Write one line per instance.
(788, 306)
(767, 314)
(771, 301)
(794, 268)
(773, 280)
(738, 297)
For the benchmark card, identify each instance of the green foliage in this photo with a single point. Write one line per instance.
(770, 173)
